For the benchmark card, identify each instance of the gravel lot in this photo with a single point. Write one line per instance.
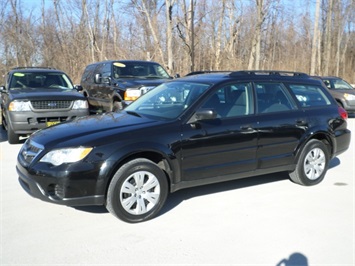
(265, 220)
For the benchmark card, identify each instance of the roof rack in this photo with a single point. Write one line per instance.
(269, 73)
(207, 72)
(33, 67)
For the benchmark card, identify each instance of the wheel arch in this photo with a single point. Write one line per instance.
(340, 102)
(322, 136)
(163, 162)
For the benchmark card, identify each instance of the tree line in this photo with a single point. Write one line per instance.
(316, 37)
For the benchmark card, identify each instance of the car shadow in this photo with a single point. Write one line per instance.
(180, 196)
(3, 136)
(176, 198)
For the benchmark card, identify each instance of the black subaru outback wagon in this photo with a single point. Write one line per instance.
(192, 131)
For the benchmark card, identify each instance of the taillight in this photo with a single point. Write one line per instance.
(343, 113)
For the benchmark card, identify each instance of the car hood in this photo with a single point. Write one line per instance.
(92, 130)
(44, 94)
(343, 91)
(136, 83)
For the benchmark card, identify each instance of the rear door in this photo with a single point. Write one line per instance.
(281, 124)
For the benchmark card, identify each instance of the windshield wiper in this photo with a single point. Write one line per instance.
(133, 113)
(154, 77)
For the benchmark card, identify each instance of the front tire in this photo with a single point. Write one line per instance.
(137, 191)
(312, 164)
(116, 106)
(12, 137)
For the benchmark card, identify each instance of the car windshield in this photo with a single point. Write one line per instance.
(139, 70)
(168, 100)
(49, 80)
(337, 84)
(340, 84)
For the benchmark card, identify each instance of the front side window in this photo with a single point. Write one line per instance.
(231, 100)
(310, 95)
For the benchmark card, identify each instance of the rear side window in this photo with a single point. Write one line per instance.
(273, 97)
(310, 95)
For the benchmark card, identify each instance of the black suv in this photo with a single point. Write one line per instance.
(111, 85)
(191, 131)
(35, 98)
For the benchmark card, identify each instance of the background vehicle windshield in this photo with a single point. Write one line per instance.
(144, 70)
(168, 100)
(337, 84)
(23, 80)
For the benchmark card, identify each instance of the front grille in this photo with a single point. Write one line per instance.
(30, 150)
(42, 120)
(45, 105)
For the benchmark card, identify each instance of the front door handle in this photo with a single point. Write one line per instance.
(301, 123)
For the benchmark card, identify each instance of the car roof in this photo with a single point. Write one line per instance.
(126, 61)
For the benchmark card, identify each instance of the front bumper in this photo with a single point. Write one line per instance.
(29, 122)
(349, 105)
(62, 186)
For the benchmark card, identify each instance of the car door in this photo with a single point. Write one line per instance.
(106, 86)
(225, 145)
(281, 125)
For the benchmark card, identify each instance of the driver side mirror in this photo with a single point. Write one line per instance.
(203, 114)
(78, 87)
(97, 78)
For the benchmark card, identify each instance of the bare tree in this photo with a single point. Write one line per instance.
(327, 38)
(315, 38)
(169, 34)
(184, 35)
(254, 58)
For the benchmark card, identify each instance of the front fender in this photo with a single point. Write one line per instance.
(149, 150)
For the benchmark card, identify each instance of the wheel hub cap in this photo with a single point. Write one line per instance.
(140, 193)
(314, 164)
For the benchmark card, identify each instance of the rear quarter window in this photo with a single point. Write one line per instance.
(310, 95)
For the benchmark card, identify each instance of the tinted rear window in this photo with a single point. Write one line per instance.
(310, 95)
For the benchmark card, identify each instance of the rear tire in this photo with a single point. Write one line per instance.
(137, 191)
(312, 164)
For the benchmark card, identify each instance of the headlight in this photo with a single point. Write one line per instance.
(69, 155)
(132, 94)
(20, 106)
(80, 104)
(349, 97)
